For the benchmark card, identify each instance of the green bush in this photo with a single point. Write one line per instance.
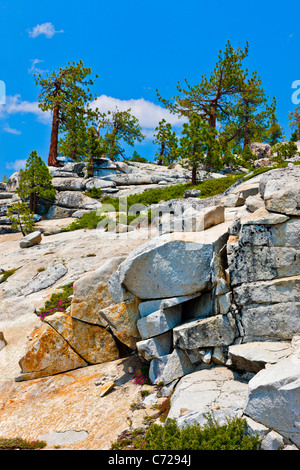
(89, 220)
(211, 436)
(95, 193)
(6, 274)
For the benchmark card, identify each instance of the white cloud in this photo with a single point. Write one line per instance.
(10, 130)
(15, 105)
(46, 29)
(34, 68)
(16, 165)
(148, 113)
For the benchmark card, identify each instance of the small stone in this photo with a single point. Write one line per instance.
(105, 389)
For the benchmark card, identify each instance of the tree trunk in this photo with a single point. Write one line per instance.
(52, 158)
(33, 202)
(194, 175)
(161, 154)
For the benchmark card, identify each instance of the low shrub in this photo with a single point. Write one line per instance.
(164, 408)
(19, 443)
(89, 220)
(58, 302)
(212, 436)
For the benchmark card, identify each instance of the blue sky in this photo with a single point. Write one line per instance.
(135, 47)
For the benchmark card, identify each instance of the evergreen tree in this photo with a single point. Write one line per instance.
(198, 146)
(294, 118)
(294, 136)
(247, 114)
(94, 149)
(229, 96)
(168, 143)
(274, 132)
(35, 182)
(137, 158)
(285, 150)
(210, 98)
(247, 157)
(21, 217)
(119, 126)
(64, 93)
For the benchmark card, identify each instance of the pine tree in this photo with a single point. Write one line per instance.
(247, 114)
(247, 157)
(94, 149)
(119, 126)
(229, 96)
(294, 118)
(35, 182)
(64, 93)
(198, 146)
(274, 132)
(167, 141)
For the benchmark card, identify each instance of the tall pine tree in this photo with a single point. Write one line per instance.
(66, 94)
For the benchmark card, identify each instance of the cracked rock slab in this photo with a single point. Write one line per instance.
(216, 389)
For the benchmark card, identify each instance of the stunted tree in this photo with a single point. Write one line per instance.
(119, 127)
(35, 182)
(94, 149)
(21, 217)
(66, 94)
(294, 118)
(167, 141)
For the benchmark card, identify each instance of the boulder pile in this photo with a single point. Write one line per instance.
(214, 312)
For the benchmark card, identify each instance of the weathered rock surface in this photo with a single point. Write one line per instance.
(123, 318)
(274, 397)
(91, 292)
(48, 355)
(280, 189)
(217, 390)
(68, 184)
(252, 357)
(260, 149)
(153, 348)
(92, 343)
(218, 330)
(159, 322)
(44, 279)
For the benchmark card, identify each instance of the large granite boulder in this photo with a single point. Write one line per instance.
(280, 189)
(172, 265)
(261, 150)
